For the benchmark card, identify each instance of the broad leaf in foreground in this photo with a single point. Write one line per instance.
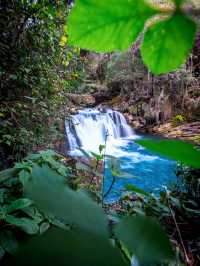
(51, 194)
(107, 25)
(159, 51)
(145, 239)
(67, 247)
(176, 150)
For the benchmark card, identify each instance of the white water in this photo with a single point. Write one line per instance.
(92, 127)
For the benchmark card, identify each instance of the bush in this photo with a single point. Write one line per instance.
(178, 119)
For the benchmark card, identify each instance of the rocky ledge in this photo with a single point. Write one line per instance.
(186, 131)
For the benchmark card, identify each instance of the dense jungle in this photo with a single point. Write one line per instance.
(99, 132)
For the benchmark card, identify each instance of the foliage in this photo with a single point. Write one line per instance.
(18, 211)
(96, 167)
(37, 69)
(160, 39)
(45, 185)
(131, 187)
(143, 229)
(110, 27)
(177, 150)
(178, 119)
(177, 209)
(104, 26)
(50, 200)
(67, 248)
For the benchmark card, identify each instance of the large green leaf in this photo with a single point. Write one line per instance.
(18, 204)
(67, 247)
(52, 195)
(167, 43)
(177, 150)
(27, 225)
(107, 25)
(145, 238)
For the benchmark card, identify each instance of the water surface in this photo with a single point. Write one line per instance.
(151, 172)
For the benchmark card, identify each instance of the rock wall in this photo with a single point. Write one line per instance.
(125, 84)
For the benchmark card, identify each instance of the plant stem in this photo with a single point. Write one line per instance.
(104, 167)
(96, 167)
(179, 232)
(110, 188)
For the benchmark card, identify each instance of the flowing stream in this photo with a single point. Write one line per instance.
(90, 128)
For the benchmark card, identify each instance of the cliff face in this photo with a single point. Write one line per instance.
(124, 83)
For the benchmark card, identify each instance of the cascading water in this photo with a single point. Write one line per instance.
(91, 127)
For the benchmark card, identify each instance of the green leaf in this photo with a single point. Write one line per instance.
(33, 157)
(24, 176)
(116, 171)
(107, 25)
(67, 247)
(48, 153)
(121, 174)
(18, 204)
(177, 150)
(52, 195)
(33, 213)
(191, 211)
(145, 238)
(167, 43)
(52, 220)
(27, 225)
(8, 241)
(24, 166)
(44, 227)
(101, 148)
(97, 156)
(136, 190)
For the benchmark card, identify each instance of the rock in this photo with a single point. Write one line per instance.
(186, 131)
(85, 100)
(73, 111)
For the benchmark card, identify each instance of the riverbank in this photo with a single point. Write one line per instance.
(187, 131)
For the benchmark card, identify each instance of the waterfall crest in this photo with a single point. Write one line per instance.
(91, 127)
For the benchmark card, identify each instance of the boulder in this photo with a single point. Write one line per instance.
(85, 100)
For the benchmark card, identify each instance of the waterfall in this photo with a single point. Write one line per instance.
(91, 127)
